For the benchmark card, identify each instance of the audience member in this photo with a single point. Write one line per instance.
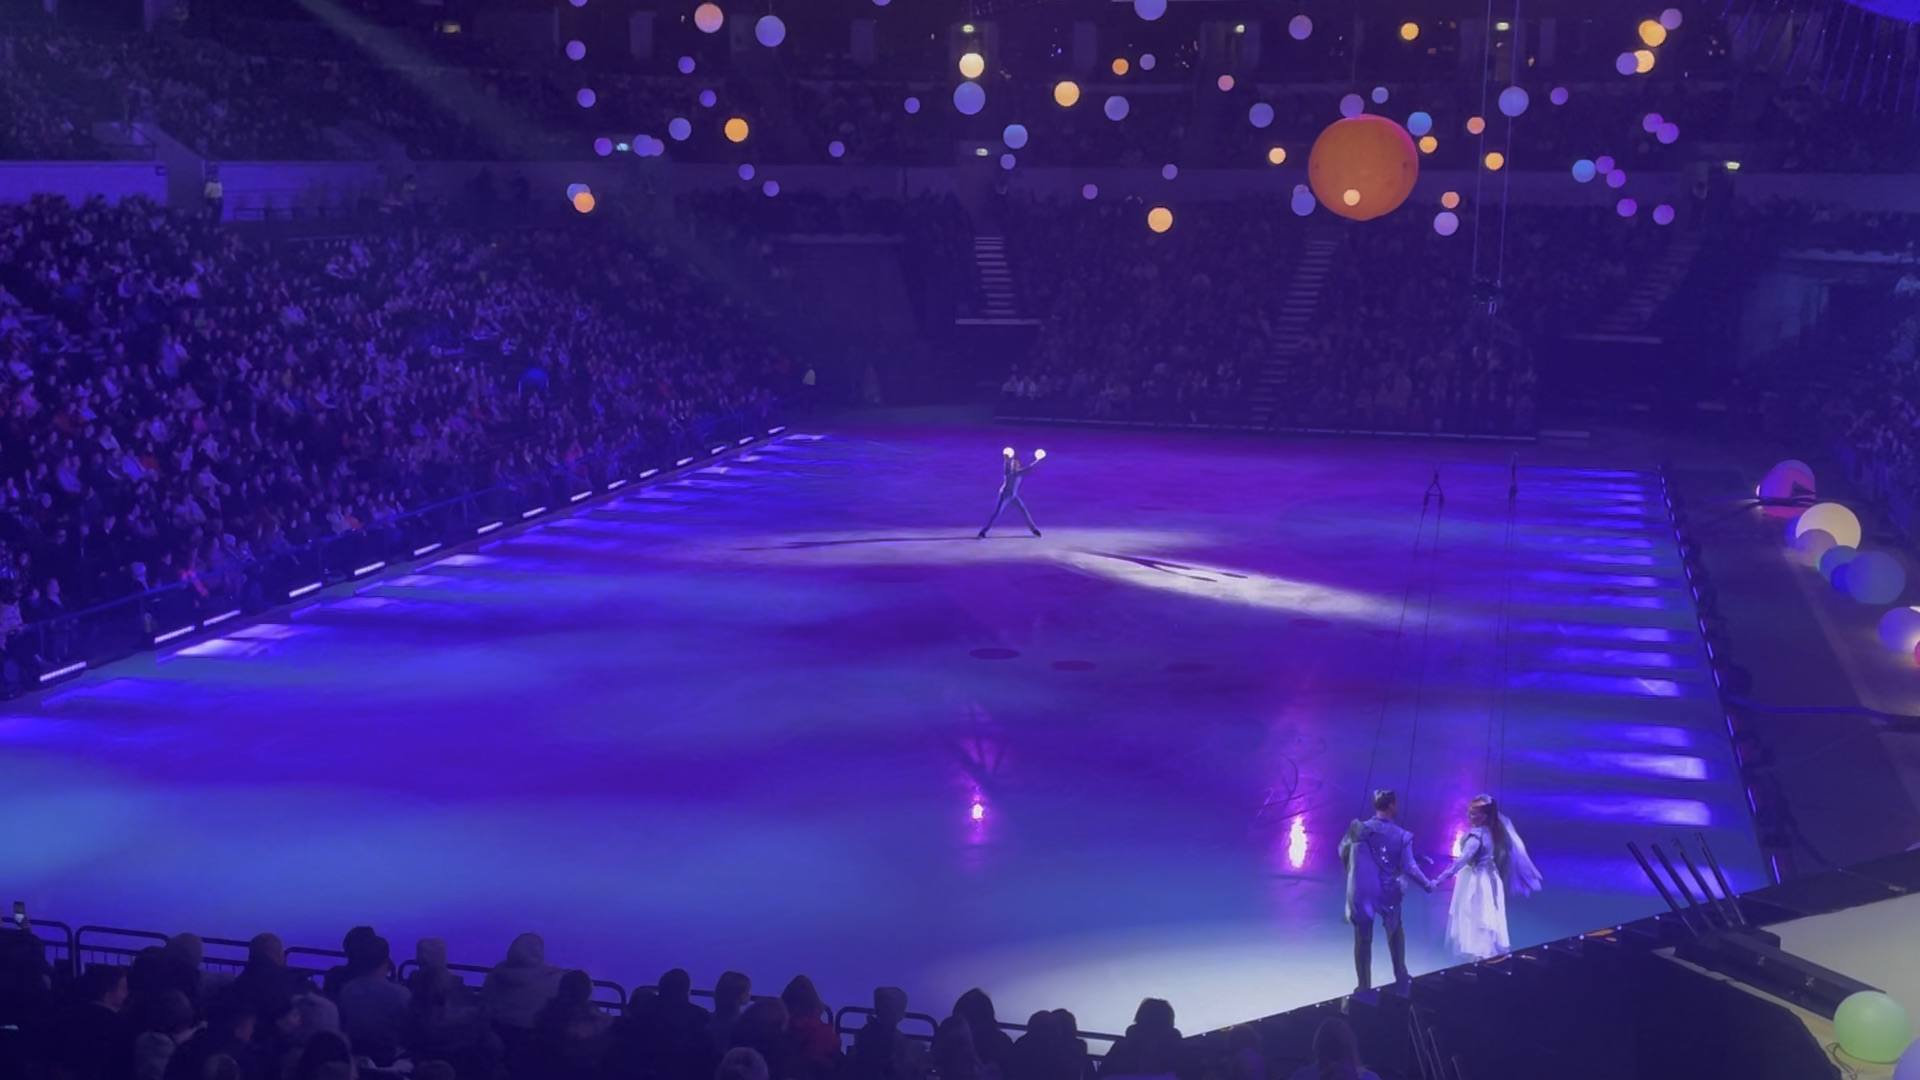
(881, 1051)
(1336, 1054)
(373, 1007)
(955, 1054)
(93, 1038)
(166, 1024)
(730, 997)
(810, 1029)
(993, 1046)
(1151, 1046)
(572, 1030)
(521, 985)
(664, 1035)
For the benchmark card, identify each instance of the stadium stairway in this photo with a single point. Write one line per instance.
(1662, 280)
(996, 278)
(1296, 313)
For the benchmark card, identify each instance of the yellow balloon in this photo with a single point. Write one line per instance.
(1351, 197)
(583, 201)
(1159, 219)
(1066, 93)
(1653, 33)
(1277, 156)
(1409, 31)
(1495, 161)
(1833, 519)
(1450, 200)
(1475, 125)
(708, 18)
(1642, 61)
(1428, 144)
(972, 64)
(736, 130)
(1120, 65)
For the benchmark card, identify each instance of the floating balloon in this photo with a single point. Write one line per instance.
(1149, 9)
(1671, 18)
(1513, 101)
(686, 65)
(1120, 65)
(1419, 124)
(1066, 94)
(575, 189)
(1559, 95)
(1428, 144)
(1642, 61)
(1007, 161)
(1450, 199)
(1446, 223)
(1159, 219)
(1476, 125)
(1015, 136)
(735, 130)
(770, 188)
(1260, 115)
(576, 50)
(708, 18)
(1836, 519)
(1351, 106)
(969, 98)
(1626, 207)
(1495, 161)
(1872, 1027)
(603, 146)
(1379, 95)
(1299, 27)
(1303, 200)
(1909, 1066)
(972, 64)
(1667, 134)
(585, 97)
(1276, 155)
(1604, 163)
(1834, 558)
(1370, 155)
(1409, 31)
(745, 171)
(1147, 61)
(1090, 192)
(1224, 82)
(1169, 171)
(1625, 64)
(1651, 122)
(1652, 33)
(707, 99)
(1876, 577)
(770, 31)
(583, 201)
(912, 105)
(836, 148)
(1900, 630)
(1617, 179)
(1117, 108)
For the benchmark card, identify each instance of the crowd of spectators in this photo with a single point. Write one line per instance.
(1871, 408)
(171, 1015)
(179, 405)
(1171, 327)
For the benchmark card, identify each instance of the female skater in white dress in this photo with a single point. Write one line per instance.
(1492, 865)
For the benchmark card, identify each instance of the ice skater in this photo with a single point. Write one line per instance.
(1493, 867)
(1010, 488)
(1379, 857)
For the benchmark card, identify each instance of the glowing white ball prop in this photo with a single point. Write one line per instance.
(1149, 9)
(1446, 223)
(1299, 27)
(1876, 578)
(1039, 455)
(1352, 106)
(1117, 108)
(1838, 521)
(1900, 630)
(1260, 115)
(1007, 451)
(1513, 101)
(1872, 1027)
(1419, 124)
(708, 17)
(969, 98)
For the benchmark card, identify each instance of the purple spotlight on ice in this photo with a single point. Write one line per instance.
(603, 146)
(585, 97)
(686, 65)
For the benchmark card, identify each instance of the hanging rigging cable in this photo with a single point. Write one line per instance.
(1426, 633)
(1399, 632)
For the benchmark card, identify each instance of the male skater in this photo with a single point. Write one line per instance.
(1378, 854)
(1010, 488)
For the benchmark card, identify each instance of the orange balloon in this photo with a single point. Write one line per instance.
(1369, 155)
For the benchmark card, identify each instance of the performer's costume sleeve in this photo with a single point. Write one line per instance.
(1347, 860)
(1410, 867)
(1468, 849)
(1523, 878)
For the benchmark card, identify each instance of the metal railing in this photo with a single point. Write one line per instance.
(67, 644)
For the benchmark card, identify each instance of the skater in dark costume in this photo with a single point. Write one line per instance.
(1010, 488)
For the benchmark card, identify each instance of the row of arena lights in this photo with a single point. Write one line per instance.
(168, 636)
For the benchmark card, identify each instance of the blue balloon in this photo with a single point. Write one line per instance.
(1419, 124)
(1260, 115)
(1584, 170)
(679, 128)
(1015, 136)
(969, 98)
(1117, 108)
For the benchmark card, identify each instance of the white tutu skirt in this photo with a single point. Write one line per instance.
(1477, 916)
